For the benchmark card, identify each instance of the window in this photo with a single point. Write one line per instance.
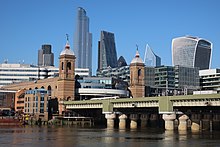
(139, 72)
(69, 66)
(62, 66)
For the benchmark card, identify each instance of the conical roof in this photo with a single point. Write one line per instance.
(67, 50)
(137, 58)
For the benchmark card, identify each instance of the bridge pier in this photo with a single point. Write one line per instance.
(183, 123)
(144, 118)
(153, 120)
(169, 121)
(122, 121)
(196, 120)
(134, 118)
(110, 120)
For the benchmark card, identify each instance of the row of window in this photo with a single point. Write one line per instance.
(33, 110)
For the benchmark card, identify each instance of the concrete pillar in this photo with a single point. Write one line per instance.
(110, 120)
(169, 121)
(134, 118)
(195, 127)
(183, 123)
(144, 118)
(122, 121)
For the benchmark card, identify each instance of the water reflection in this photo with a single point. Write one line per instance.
(93, 137)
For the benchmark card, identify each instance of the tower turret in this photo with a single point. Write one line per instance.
(66, 82)
(137, 76)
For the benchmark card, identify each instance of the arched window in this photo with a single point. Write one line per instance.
(68, 98)
(69, 66)
(49, 87)
(62, 65)
(139, 72)
(30, 89)
(42, 87)
(49, 90)
(35, 88)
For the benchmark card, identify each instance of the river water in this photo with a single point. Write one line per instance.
(57, 136)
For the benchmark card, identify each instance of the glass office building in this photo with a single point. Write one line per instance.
(107, 56)
(191, 52)
(45, 56)
(150, 58)
(83, 41)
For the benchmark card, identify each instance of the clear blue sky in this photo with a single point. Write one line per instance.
(27, 24)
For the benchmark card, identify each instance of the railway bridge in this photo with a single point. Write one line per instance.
(195, 112)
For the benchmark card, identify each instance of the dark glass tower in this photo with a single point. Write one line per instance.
(107, 56)
(83, 41)
(45, 56)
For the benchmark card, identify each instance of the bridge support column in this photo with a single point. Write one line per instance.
(134, 118)
(153, 120)
(122, 121)
(169, 121)
(196, 120)
(110, 120)
(183, 123)
(144, 118)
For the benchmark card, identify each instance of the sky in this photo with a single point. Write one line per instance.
(27, 24)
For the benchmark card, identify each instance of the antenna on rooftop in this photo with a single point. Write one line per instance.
(67, 37)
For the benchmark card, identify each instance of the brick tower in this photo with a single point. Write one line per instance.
(66, 82)
(137, 76)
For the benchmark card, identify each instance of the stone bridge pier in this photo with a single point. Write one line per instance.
(123, 120)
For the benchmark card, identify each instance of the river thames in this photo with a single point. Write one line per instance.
(58, 136)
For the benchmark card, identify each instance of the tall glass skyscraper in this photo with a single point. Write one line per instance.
(150, 58)
(83, 41)
(107, 56)
(191, 51)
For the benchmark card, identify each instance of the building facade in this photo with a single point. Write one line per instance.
(122, 73)
(150, 58)
(45, 56)
(172, 80)
(96, 87)
(83, 41)
(16, 73)
(210, 79)
(107, 56)
(7, 99)
(191, 52)
(35, 104)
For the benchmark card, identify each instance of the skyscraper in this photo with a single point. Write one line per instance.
(107, 56)
(150, 58)
(191, 51)
(45, 56)
(83, 41)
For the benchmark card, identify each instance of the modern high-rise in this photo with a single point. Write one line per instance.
(83, 41)
(107, 56)
(45, 56)
(191, 51)
(150, 58)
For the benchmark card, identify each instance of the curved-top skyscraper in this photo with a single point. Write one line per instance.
(83, 41)
(150, 58)
(191, 51)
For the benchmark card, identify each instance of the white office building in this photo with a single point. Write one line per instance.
(210, 79)
(15, 73)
